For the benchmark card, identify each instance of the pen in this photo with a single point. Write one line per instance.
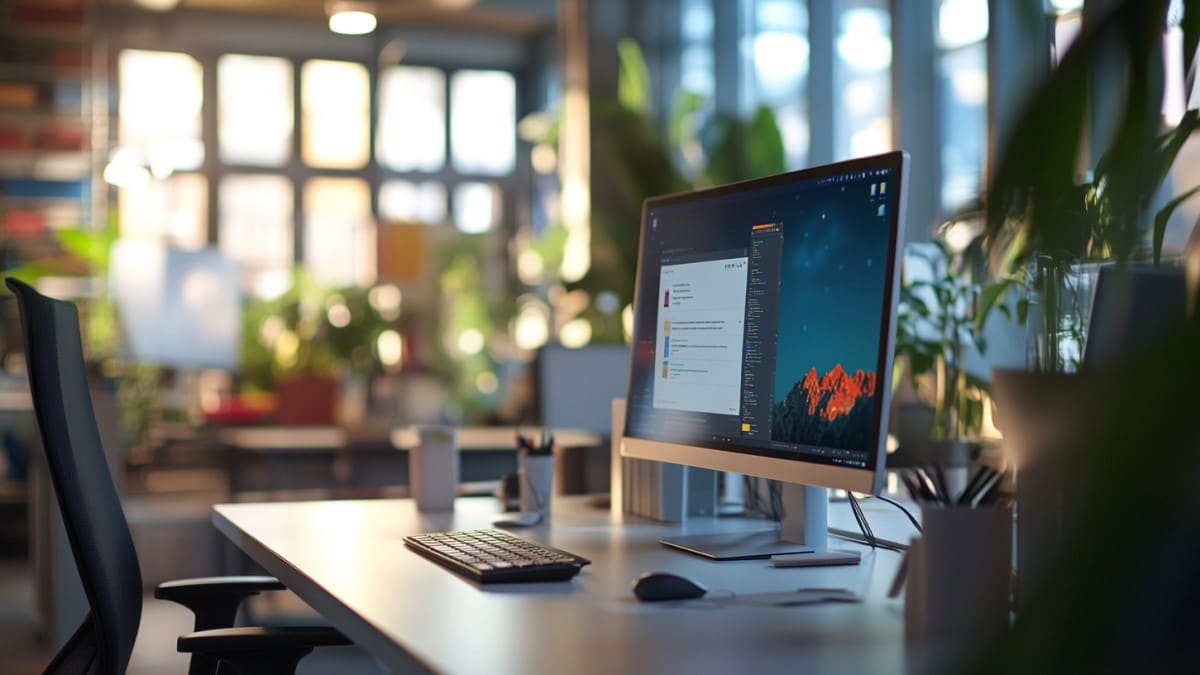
(986, 491)
(971, 485)
(914, 490)
(939, 480)
(985, 475)
(927, 485)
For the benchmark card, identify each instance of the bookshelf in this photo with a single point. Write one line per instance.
(48, 126)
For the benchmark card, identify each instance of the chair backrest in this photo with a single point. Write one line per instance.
(91, 509)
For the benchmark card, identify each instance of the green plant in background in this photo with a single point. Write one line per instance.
(1106, 605)
(939, 319)
(83, 253)
(309, 330)
(1041, 221)
(633, 160)
(471, 304)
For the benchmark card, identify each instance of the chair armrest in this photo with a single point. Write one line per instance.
(257, 650)
(215, 600)
(259, 638)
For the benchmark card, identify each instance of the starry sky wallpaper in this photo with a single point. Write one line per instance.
(831, 288)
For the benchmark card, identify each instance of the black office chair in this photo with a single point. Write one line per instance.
(99, 535)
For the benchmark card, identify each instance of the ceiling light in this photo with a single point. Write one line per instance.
(158, 5)
(351, 18)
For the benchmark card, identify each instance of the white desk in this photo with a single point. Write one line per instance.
(498, 437)
(348, 561)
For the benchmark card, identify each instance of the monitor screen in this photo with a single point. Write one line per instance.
(764, 325)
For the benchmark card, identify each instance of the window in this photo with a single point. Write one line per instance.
(255, 228)
(255, 119)
(779, 55)
(160, 99)
(483, 121)
(418, 202)
(412, 119)
(962, 71)
(339, 231)
(173, 210)
(336, 107)
(476, 207)
(442, 138)
(697, 61)
(862, 77)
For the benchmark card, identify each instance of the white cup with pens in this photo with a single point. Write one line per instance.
(959, 570)
(535, 476)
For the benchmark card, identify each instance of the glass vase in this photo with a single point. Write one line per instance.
(1060, 304)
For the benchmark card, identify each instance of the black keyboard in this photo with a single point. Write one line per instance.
(492, 556)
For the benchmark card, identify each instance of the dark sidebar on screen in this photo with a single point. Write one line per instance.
(762, 315)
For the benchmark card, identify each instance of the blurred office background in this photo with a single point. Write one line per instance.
(271, 225)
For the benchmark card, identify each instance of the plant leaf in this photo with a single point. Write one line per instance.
(1163, 216)
(988, 298)
(633, 81)
(1191, 39)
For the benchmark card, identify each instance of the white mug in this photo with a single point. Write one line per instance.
(433, 468)
(536, 475)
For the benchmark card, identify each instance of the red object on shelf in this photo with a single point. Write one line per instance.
(67, 57)
(59, 137)
(24, 223)
(58, 14)
(307, 400)
(244, 408)
(13, 138)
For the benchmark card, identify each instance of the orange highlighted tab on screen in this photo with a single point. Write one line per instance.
(763, 226)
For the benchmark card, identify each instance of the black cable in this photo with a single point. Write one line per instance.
(861, 519)
(900, 506)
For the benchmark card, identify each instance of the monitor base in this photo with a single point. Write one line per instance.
(804, 520)
(735, 545)
(815, 559)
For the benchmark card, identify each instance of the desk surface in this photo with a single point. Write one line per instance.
(348, 561)
(273, 439)
(496, 437)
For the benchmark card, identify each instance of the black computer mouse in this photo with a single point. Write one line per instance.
(656, 586)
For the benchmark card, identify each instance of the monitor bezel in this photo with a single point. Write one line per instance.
(756, 461)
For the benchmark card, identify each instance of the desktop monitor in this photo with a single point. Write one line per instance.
(764, 326)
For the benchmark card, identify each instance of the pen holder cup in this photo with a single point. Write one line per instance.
(433, 468)
(959, 576)
(536, 475)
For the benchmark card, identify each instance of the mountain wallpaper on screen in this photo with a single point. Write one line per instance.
(834, 410)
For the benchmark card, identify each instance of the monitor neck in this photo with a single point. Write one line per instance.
(805, 515)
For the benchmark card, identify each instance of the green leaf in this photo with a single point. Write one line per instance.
(1034, 190)
(764, 145)
(1172, 142)
(687, 104)
(897, 374)
(1022, 310)
(633, 80)
(91, 246)
(1163, 216)
(988, 298)
(1191, 35)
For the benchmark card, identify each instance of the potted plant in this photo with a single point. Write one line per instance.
(1093, 451)
(940, 321)
(304, 343)
(1044, 225)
